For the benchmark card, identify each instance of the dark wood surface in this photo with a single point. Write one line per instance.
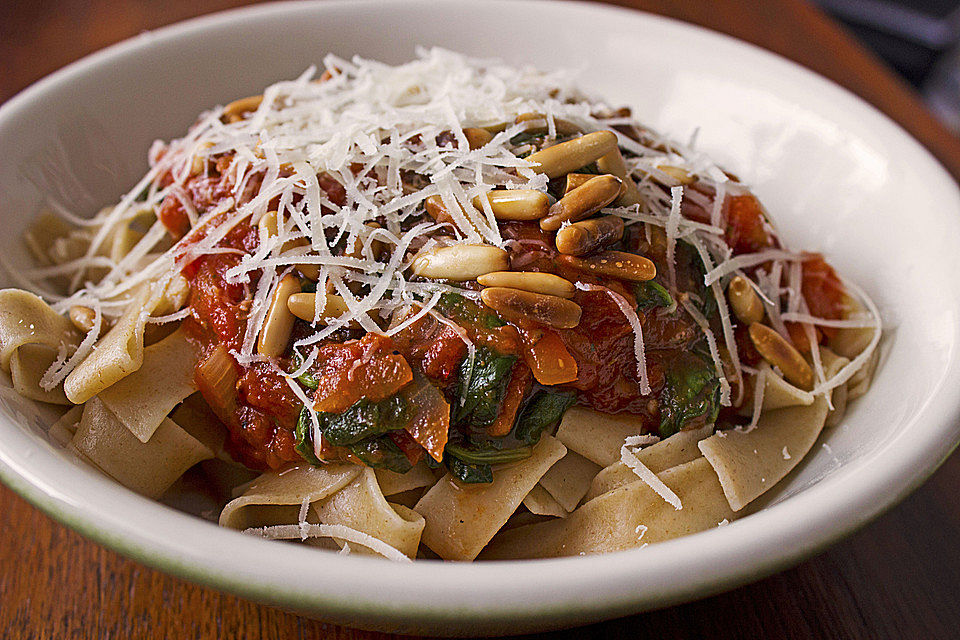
(897, 578)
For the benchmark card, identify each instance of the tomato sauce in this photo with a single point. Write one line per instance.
(597, 357)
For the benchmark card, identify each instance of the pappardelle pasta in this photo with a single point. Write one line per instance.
(443, 309)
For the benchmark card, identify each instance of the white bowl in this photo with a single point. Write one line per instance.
(837, 175)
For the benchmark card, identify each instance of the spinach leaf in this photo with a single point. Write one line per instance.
(473, 464)
(487, 454)
(687, 253)
(304, 444)
(481, 386)
(456, 307)
(526, 137)
(470, 473)
(690, 395)
(381, 452)
(364, 419)
(543, 411)
(650, 294)
(306, 378)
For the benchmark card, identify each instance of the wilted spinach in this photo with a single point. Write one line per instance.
(364, 419)
(302, 433)
(378, 451)
(543, 411)
(650, 294)
(472, 464)
(469, 473)
(690, 395)
(481, 386)
(381, 452)
(306, 378)
(466, 311)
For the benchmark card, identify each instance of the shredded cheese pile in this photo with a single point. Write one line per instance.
(392, 136)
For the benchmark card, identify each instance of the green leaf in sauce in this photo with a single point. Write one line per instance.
(470, 473)
(543, 412)
(466, 311)
(650, 295)
(381, 452)
(481, 386)
(378, 451)
(480, 454)
(473, 464)
(306, 378)
(364, 419)
(302, 433)
(690, 395)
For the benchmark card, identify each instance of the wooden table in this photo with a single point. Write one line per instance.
(898, 578)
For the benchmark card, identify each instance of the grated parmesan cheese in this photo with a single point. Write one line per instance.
(643, 472)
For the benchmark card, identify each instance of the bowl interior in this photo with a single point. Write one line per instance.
(837, 177)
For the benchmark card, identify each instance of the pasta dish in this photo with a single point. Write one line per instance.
(447, 309)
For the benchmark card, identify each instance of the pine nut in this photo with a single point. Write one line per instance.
(198, 161)
(437, 210)
(561, 159)
(564, 127)
(234, 111)
(515, 204)
(744, 300)
(82, 317)
(582, 202)
(460, 262)
(575, 180)
(545, 283)
(782, 355)
(514, 304)
(585, 236)
(613, 163)
(275, 334)
(615, 264)
(376, 246)
(477, 137)
(303, 305)
(268, 228)
(682, 176)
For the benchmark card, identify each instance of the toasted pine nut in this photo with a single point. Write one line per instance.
(782, 355)
(575, 180)
(82, 317)
(545, 283)
(460, 262)
(569, 156)
(744, 300)
(234, 111)
(477, 137)
(376, 246)
(613, 163)
(682, 176)
(268, 228)
(564, 127)
(303, 305)
(198, 161)
(582, 202)
(615, 264)
(515, 204)
(514, 304)
(437, 210)
(585, 236)
(275, 334)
